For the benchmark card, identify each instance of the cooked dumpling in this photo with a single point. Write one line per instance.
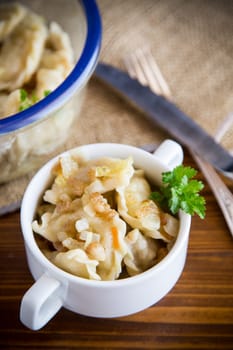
(142, 213)
(47, 80)
(106, 222)
(74, 176)
(142, 252)
(10, 16)
(56, 62)
(21, 52)
(58, 53)
(99, 232)
(136, 192)
(11, 104)
(169, 226)
(110, 173)
(77, 262)
(136, 209)
(52, 223)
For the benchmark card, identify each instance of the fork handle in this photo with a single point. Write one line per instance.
(223, 195)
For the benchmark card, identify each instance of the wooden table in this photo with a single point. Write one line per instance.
(196, 314)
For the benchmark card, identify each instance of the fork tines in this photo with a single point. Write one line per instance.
(142, 65)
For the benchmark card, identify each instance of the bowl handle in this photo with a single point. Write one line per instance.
(41, 302)
(170, 153)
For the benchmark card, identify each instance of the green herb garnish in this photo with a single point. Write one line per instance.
(47, 92)
(27, 101)
(180, 191)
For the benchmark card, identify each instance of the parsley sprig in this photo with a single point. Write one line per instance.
(180, 191)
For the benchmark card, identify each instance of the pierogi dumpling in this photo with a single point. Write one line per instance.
(56, 62)
(21, 52)
(10, 16)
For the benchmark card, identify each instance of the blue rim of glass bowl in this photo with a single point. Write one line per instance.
(77, 78)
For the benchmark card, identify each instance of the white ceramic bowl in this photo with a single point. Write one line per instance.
(55, 288)
(28, 138)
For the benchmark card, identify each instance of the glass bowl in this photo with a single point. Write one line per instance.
(29, 137)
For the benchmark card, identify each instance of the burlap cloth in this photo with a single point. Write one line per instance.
(192, 41)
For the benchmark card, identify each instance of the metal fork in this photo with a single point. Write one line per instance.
(142, 65)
